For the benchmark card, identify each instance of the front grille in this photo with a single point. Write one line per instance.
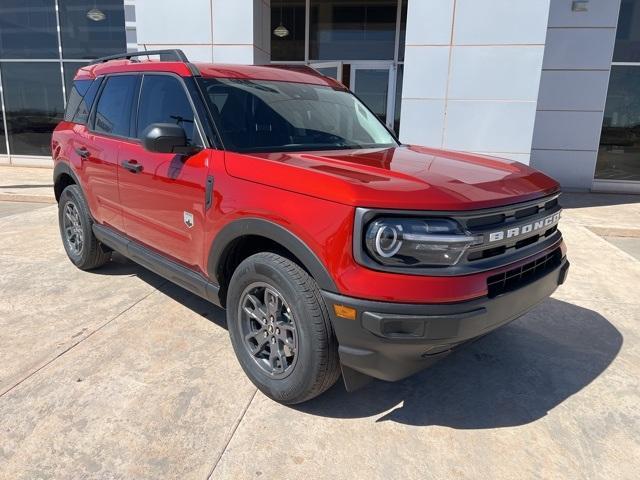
(502, 219)
(524, 275)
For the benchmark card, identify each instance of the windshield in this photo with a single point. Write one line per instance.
(268, 116)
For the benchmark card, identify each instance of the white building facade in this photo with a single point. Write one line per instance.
(550, 83)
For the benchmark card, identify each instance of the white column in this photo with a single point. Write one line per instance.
(222, 31)
(471, 75)
(573, 90)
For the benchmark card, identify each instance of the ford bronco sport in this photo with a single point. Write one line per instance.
(276, 194)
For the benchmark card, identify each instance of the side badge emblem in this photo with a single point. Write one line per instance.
(188, 219)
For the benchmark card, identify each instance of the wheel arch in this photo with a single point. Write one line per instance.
(266, 236)
(63, 176)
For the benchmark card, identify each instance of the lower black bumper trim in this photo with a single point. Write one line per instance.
(391, 341)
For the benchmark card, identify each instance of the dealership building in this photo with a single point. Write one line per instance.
(551, 83)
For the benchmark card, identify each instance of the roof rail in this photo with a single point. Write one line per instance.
(175, 55)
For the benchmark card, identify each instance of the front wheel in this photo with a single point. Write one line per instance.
(280, 329)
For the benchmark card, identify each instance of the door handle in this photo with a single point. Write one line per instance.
(132, 166)
(83, 152)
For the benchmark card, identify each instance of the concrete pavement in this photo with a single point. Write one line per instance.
(26, 184)
(119, 374)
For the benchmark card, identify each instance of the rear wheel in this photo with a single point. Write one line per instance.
(280, 329)
(81, 245)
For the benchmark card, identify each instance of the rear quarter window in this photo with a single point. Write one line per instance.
(81, 97)
(78, 91)
(84, 108)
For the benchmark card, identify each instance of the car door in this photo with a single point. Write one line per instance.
(97, 144)
(163, 195)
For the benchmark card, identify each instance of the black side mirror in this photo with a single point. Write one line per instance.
(166, 138)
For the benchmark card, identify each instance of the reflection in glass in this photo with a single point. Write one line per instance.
(266, 116)
(70, 69)
(328, 72)
(163, 100)
(627, 47)
(28, 29)
(113, 112)
(34, 105)
(291, 15)
(352, 29)
(619, 153)
(372, 87)
(92, 29)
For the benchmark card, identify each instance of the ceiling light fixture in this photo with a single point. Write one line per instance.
(281, 31)
(96, 15)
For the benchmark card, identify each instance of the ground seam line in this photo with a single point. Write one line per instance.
(233, 432)
(75, 344)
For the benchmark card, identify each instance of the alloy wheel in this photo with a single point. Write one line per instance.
(72, 226)
(268, 329)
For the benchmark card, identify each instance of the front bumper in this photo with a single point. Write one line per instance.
(391, 341)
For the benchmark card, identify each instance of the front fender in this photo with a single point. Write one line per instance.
(271, 231)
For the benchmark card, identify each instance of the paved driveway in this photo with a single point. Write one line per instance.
(119, 374)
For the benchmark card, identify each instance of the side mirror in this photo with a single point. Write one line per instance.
(166, 138)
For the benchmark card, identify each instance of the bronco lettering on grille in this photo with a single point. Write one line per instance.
(513, 232)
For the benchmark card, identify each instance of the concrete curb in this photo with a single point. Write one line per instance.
(14, 197)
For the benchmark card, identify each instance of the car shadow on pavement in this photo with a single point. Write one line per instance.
(511, 377)
(120, 265)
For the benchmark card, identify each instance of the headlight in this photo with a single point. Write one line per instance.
(409, 242)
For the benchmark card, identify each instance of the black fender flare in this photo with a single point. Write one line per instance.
(276, 233)
(63, 168)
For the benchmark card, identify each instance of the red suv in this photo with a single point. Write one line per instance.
(275, 193)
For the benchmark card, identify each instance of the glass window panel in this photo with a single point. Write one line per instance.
(352, 30)
(132, 36)
(84, 109)
(328, 72)
(28, 29)
(372, 87)
(34, 105)
(78, 90)
(163, 100)
(619, 153)
(627, 47)
(113, 113)
(130, 13)
(289, 14)
(92, 29)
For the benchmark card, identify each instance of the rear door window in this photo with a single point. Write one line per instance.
(113, 111)
(164, 100)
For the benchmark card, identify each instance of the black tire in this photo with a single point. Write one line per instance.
(88, 253)
(315, 366)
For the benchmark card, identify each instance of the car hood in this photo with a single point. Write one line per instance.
(405, 177)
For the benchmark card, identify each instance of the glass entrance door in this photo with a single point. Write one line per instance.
(374, 85)
(329, 69)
